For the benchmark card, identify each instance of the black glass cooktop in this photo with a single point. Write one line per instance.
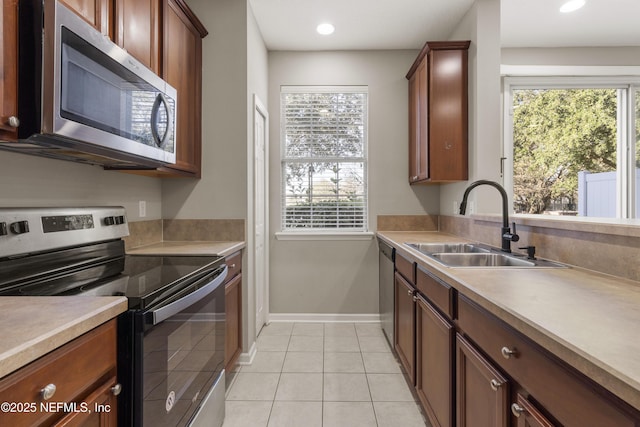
(144, 279)
(98, 273)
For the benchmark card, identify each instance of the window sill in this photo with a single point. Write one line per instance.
(353, 235)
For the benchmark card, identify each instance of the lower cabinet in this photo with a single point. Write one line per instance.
(405, 320)
(471, 369)
(434, 363)
(482, 392)
(233, 309)
(74, 385)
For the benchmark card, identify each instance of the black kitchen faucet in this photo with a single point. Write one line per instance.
(506, 234)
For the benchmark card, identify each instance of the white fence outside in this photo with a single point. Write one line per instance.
(597, 194)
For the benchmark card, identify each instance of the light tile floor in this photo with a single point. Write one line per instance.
(324, 375)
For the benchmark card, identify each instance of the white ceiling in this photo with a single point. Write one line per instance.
(407, 24)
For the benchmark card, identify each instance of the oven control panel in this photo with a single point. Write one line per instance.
(52, 224)
(30, 230)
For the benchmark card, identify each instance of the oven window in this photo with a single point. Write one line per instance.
(182, 358)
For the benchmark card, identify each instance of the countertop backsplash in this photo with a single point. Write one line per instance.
(143, 233)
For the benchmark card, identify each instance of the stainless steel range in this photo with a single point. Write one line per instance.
(170, 341)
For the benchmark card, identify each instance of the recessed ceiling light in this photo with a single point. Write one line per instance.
(325, 29)
(571, 6)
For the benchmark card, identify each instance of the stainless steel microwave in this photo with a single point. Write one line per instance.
(83, 98)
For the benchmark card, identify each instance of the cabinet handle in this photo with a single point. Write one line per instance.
(233, 266)
(517, 410)
(410, 293)
(415, 298)
(414, 178)
(13, 121)
(48, 391)
(507, 353)
(495, 384)
(116, 389)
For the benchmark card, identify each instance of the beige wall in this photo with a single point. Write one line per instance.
(37, 181)
(341, 277)
(222, 190)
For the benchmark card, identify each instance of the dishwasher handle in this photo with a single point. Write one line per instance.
(163, 313)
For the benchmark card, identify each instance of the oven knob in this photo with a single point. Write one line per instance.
(109, 220)
(119, 219)
(3, 229)
(19, 227)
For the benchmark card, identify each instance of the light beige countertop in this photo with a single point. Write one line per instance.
(589, 320)
(193, 248)
(34, 326)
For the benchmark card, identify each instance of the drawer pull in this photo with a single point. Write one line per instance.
(495, 384)
(116, 389)
(233, 266)
(48, 391)
(517, 410)
(507, 353)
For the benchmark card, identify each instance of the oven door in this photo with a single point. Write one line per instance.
(178, 353)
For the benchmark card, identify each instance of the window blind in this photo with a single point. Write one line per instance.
(324, 158)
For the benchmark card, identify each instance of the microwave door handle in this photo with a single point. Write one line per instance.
(161, 101)
(163, 313)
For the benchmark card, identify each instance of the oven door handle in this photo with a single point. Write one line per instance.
(163, 313)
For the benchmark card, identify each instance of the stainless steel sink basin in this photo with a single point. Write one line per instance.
(461, 254)
(447, 248)
(482, 260)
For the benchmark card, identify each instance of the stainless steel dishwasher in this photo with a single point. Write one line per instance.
(386, 265)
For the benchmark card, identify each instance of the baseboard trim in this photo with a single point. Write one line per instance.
(247, 358)
(324, 318)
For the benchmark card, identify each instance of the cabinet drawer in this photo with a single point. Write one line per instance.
(234, 262)
(437, 291)
(571, 399)
(74, 369)
(406, 268)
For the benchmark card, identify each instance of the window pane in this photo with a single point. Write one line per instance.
(565, 145)
(324, 159)
(324, 195)
(324, 124)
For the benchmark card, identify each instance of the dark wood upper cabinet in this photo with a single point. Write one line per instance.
(182, 69)
(95, 12)
(9, 70)
(138, 29)
(438, 113)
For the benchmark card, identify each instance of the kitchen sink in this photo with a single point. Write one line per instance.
(458, 254)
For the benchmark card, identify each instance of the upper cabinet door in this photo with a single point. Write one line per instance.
(438, 116)
(95, 12)
(9, 70)
(182, 69)
(138, 30)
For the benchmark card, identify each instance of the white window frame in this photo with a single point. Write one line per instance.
(626, 86)
(329, 233)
